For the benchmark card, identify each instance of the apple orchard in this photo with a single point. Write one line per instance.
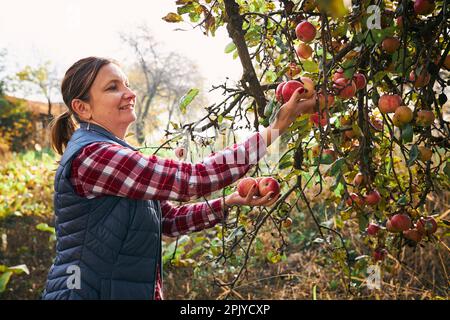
(364, 166)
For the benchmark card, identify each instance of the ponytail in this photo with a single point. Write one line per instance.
(62, 128)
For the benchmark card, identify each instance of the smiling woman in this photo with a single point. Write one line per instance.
(112, 202)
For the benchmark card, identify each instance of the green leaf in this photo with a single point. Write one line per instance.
(363, 221)
(310, 66)
(230, 47)
(186, 8)
(285, 164)
(45, 227)
(4, 279)
(326, 159)
(402, 201)
(407, 133)
(187, 99)
(447, 169)
(379, 75)
(413, 154)
(336, 166)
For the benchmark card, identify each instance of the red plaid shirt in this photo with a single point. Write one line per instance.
(110, 169)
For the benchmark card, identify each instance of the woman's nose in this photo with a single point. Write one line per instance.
(129, 94)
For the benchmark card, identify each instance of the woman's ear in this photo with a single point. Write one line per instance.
(82, 109)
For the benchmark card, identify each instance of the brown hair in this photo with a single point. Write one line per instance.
(75, 85)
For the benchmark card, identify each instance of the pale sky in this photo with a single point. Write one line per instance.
(64, 31)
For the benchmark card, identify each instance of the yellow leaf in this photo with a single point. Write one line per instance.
(172, 17)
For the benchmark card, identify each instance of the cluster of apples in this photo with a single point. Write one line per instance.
(392, 103)
(306, 32)
(401, 223)
(371, 198)
(347, 88)
(263, 186)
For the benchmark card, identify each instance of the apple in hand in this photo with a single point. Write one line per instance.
(279, 90)
(289, 88)
(245, 185)
(268, 184)
(309, 87)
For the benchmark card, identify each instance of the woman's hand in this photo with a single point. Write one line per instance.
(251, 199)
(294, 108)
(287, 114)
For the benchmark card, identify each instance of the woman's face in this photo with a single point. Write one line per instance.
(111, 102)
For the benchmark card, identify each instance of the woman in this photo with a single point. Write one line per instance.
(112, 202)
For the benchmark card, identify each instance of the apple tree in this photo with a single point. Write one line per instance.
(376, 148)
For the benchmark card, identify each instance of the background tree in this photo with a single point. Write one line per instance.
(159, 78)
(41, 80)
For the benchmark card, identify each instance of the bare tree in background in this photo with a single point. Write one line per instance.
(159, 77)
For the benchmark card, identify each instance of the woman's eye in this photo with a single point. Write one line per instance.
(112, 88)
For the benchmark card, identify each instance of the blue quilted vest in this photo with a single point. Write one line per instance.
(107, 247)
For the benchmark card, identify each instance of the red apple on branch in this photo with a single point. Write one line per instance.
(402, 116)
(420, 80)
(389, 103)
(379, 254)
(401, 222)
(305, 31)
(360, 81)
(373, 229)
(413, 234)
(304, 51)
(314, 117)
(390, 44)
(345, 88)
(425, 118)
(426, 226)
(372, 197)
(424, 7)
(355, 199)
